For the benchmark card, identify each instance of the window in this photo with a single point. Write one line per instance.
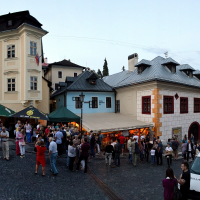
(118, 106)
(168, 104)
(56, 86)
(9, 22)
(108, 102)
(11, 84)
(59, 74)
(75, 74)
(146, 105)
(33, 48)
(78, 104)
(196, 105)
(183, 105)
(11, 51)
(94, 102)
(33, 83)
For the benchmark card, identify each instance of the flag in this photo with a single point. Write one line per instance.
(37, 58)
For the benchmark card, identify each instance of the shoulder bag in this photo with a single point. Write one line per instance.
(177, 192)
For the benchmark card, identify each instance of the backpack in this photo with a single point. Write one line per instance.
(137, 150)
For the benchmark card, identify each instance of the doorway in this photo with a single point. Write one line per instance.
(195, 130)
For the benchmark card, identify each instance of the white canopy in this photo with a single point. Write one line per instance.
(106, 122)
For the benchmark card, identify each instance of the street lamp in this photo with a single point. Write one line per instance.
(82, 96)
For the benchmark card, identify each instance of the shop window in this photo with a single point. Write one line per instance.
(10, 51)
(108, 102)
(168, 104)
(11, 84)
(196, 105)
(146, 105)
(59, 74)
(183, 105)
(118, 106)
(33, 48)
(94, 102)
(33, 83)
(78, 103)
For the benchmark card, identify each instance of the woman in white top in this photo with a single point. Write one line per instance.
(168, 154)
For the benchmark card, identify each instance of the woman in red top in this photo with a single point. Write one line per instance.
(40, 156)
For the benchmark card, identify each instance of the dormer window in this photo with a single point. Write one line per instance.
(9, 22)
(170, 64)
(92, 79)
(187, 69)
(142, 65)
(93, 82)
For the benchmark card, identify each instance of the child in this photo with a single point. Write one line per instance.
(40, 156)
(153, 151)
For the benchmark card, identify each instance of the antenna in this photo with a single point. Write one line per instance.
(166, 54)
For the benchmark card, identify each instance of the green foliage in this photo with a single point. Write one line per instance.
(105, 68)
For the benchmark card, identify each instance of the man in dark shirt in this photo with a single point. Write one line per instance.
(118, 150)
(184, 180)
(159, 152)
(108, 153)
(92, 145)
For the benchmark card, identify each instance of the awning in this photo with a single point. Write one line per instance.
(106, 122)
(62, 114)
(5, 112)
(31, 113)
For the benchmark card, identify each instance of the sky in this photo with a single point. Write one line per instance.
(88, 31)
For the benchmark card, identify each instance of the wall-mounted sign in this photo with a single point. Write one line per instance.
(101, 101)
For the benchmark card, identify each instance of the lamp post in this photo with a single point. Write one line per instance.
(82, 96)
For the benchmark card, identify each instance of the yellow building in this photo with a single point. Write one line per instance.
(20, 75)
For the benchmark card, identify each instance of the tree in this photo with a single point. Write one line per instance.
(99, 73)
(105, 68)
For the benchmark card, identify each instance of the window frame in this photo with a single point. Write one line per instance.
(11, 83)
(117, 106)
(76, 74)
(166, 112)
(143, 99)
(33, 81)
(184, 98)
(78, 104)
(11, 51)
(198, 105)
(96, 101)
(61, 74)
(110, 102)
(33, 47)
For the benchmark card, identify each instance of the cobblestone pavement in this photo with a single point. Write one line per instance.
(18, 181)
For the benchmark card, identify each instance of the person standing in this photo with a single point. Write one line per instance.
(192, 138)
(38, 126)
(53, 156)
(47, 132)
(118, 150)
(175, 148)
(72, 155)
(153, 152)
(134, 146)
(21, 135)
(159, 152)
(147, 149)
(122, 141)
(18, 130)
(168, 154)
(168, 183)
(92, 145)
(58, 140)
(108, 153)
(136, 137)
(190, 150)
(184, 180)
(5, 145)
(98, 143)
(130, 150)
(184, 149)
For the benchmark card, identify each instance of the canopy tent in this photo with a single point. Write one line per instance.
(62, 114)
(5, 112)
(31, 113)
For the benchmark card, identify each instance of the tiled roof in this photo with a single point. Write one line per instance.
(143, 62)
(169, 60)
(155, 72)
(185, 67)
(82, 84)
(18, 18)
(66, 63)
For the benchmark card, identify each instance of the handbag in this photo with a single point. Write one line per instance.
(23, 143)
(177, 192)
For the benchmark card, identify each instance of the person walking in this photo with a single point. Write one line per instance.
(190, 150)
(118, 150)
(98, 143)
(22, 144)
(53, 155)
(168, 154)
(122, 142)
(130, 150)
(168, 183)
(159, 152)
(135, 151)
(5, 145)
(184, 180)
(184, 149)
(72, 155)
(108, 153)
(40, 146)
(18, 130)
(58, 140)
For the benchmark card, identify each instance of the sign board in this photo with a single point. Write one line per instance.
(125, 133)
(177, 133)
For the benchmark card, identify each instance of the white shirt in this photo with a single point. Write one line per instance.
(53, 147)
(153, 151)
(59, 136)
(38, 126)
(6, 133)
(189, 147)
(142, 137)
(113, 144)
(168, 149)
(136, 138)
(71, 151)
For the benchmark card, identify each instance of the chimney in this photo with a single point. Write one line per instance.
(132, 61)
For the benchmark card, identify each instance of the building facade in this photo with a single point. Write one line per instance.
(162, 92)
(20, 74)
